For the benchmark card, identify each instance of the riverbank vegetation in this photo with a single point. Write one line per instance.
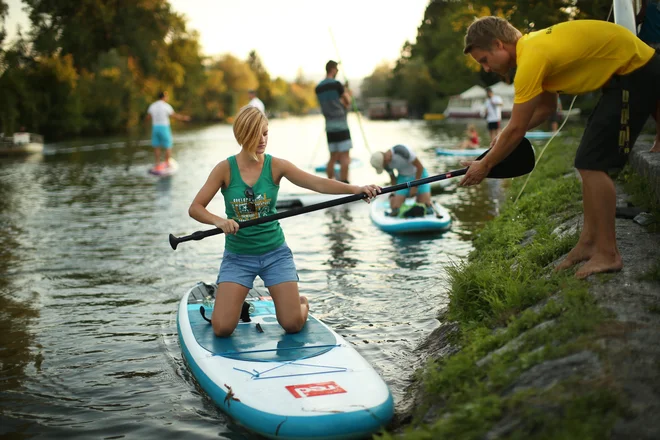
(519, 325)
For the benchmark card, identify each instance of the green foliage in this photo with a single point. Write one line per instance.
(434, 68)
(4, 10)
(516, 313)
(638, 187)
(94, 66)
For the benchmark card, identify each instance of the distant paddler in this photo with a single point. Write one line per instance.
(335, 100)
(161, 134)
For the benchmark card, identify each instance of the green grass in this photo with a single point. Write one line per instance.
(492, 294)
(640, 195)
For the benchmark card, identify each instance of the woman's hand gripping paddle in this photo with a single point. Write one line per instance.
(518, 163)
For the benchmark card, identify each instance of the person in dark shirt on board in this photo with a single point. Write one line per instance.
(335, 100)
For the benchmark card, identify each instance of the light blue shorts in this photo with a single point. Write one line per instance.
(161, 136)
(421, 189)
(273, 268)
(340, 147)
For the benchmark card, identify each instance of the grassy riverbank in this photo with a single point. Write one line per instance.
(530, 363)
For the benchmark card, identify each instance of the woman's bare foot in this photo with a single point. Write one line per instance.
(599, 264)
(577, 255)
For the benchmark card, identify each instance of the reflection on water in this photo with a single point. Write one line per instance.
(339, 236)
(89, 285)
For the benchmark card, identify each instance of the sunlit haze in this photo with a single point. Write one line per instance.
(295, 34)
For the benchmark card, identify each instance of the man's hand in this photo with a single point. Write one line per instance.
(478, 170)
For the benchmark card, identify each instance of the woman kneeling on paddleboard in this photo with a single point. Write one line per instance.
(249, 182)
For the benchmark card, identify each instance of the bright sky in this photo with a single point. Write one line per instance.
(293, 34)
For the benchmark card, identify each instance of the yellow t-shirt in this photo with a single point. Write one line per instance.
(575, 57)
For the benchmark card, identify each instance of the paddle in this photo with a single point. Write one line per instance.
(518, 163)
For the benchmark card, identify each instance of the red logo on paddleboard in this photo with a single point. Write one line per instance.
(314, 389)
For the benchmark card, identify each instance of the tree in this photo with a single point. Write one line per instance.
(378, 83)
(263, 77)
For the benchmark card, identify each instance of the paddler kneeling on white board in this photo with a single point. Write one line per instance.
(249, 182)
(408, 167)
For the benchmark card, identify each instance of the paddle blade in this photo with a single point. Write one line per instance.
(518, 163)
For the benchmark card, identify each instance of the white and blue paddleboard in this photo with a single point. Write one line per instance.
(355, 162)
(308, 385)
(540, 134)
(624, 14)
(165, 171)
(460, 152)
(439, 221)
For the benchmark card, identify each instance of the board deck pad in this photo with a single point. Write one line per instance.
(273, 345)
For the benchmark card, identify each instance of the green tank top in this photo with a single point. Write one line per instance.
(240, 206)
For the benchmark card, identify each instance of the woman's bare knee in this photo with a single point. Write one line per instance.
(293, 325)
(223, 330)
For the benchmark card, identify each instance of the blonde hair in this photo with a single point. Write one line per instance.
(483, 32)
(249, 127)
(471, 127)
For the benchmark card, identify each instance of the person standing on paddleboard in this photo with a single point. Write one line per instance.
(493, 110)
(335, 100)
(161, 134)
(249, 182)
(408, 167)
(574, 57)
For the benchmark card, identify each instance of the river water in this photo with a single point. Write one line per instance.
(89, 286)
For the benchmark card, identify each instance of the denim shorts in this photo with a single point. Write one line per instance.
(161, 136)
(273, 268)
(340, 147)
(421, 189)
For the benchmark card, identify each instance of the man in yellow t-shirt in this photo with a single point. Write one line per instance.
(574, 57)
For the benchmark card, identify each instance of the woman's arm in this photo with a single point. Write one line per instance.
(298, 177)
(216, 180)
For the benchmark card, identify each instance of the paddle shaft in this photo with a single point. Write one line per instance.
(517, 163)
(199, 235)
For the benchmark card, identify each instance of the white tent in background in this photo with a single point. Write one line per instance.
(471, 103)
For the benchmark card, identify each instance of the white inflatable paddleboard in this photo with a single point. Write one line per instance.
(166, 171)
(540, 134)
(288, 201)
(439, 221)
(624, 14)
(353, 164)
(460, 152)
(308, 385)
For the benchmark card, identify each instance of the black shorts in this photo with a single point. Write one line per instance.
(494, 125)
(600, 148)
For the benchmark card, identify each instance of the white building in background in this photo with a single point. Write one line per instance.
(470, 103)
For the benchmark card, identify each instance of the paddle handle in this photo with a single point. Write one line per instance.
(198, 235)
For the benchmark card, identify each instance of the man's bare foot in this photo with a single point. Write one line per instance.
(656, 146)
(303, 301)
(577, 255)
(600, 264)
